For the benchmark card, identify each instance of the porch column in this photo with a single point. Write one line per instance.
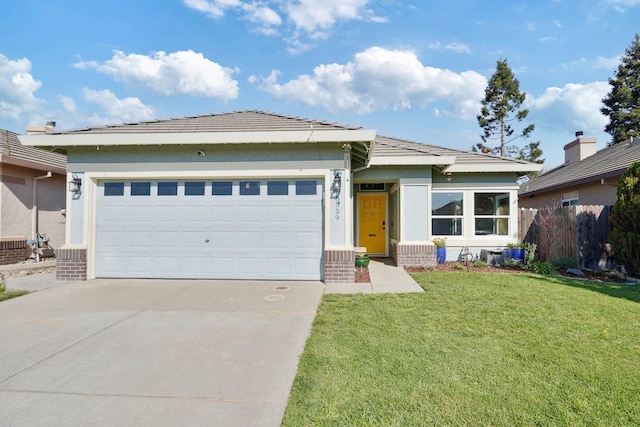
(414, 248)
(339, 255)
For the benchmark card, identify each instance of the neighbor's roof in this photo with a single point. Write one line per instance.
(465, 161)
(35, 158)
(607, 163)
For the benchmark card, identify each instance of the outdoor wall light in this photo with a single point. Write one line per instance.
(337, 181)
(75, 184)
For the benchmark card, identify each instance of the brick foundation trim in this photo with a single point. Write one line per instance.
(71, 264)
(339, 266)
(414, 255)
(12, 251)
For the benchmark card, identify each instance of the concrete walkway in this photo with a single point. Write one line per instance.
(385, 278)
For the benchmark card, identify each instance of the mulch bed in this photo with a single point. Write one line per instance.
(594, 275)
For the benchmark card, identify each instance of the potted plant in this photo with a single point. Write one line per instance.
(362, 259)
(516, 251)
(441, 249)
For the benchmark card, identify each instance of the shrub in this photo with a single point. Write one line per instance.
(625, 216)
(480, 264)
(543, 267)
(565, 263)
(458, 267)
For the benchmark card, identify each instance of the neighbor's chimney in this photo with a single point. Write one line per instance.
(579, 149)
(50, 126)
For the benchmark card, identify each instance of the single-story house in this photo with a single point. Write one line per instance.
(32, 197)
(587, 176)
(256, 195)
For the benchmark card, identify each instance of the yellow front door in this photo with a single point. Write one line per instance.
(372, 216)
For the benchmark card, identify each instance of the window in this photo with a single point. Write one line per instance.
(167, 188)
(140, 188)
(306, 188)
(277, 188)
(249, 188)
(222, 188)
(114, 188)
(194, 188)
(447, 214)
(491, 213)
(569, 199)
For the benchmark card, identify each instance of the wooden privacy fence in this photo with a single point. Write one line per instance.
(577, 232)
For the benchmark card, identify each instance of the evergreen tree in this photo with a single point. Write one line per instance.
(622, 104)
(500, 108)
(625, 216)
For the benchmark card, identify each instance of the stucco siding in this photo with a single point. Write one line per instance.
(391, 173)
(212, 157)
(17, 202)
(588, 194)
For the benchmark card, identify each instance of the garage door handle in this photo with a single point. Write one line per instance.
(372, 235)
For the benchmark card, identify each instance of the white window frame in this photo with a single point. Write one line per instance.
(460, 217)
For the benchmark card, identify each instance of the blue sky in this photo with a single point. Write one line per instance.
(413, 69)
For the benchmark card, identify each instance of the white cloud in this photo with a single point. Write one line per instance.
(213, 8)
(607, 63)
(68, 104)
(17, 88)
(316, 17)
(573, 106)
(181, 72)
(454, 46)
(116, 110)
(379, 79)
(622, 5)
(305, 19)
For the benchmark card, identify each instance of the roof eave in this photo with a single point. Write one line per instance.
(32, 165)
(186, 138)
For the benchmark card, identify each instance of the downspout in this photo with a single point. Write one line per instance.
(34, 211)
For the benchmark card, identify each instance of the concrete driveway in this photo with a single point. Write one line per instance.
(153, 352)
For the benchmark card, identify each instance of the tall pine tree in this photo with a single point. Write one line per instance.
(500, 109)
(622, 104)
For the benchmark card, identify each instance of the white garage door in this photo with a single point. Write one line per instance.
(243, 229)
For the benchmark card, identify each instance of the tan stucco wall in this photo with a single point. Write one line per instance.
(16, 199)
(588, 194)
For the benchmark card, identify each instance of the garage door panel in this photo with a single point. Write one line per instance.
(234, 236)
(278, 240)
(222, 239)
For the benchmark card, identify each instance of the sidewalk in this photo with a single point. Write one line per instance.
(30, 276)
(385, 278)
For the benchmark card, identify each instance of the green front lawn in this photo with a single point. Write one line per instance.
(4, 295)
(476, 350)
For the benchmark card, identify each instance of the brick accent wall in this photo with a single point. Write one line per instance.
(414, 255)
(339, 266)
(71, 264)
(12, 251)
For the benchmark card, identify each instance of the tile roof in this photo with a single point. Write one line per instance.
(387, 146)
(12, 149)
(606, 163)
(236, 121)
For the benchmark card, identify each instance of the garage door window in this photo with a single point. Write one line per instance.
(167, 189)
(222, 188)
(277, 188)
(114, 188)
(306, 188)
(140, 188)
(194, 188)
(249, 188)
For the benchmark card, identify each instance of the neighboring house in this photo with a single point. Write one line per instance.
(255, 195)
(587, 177)
(32, 197)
